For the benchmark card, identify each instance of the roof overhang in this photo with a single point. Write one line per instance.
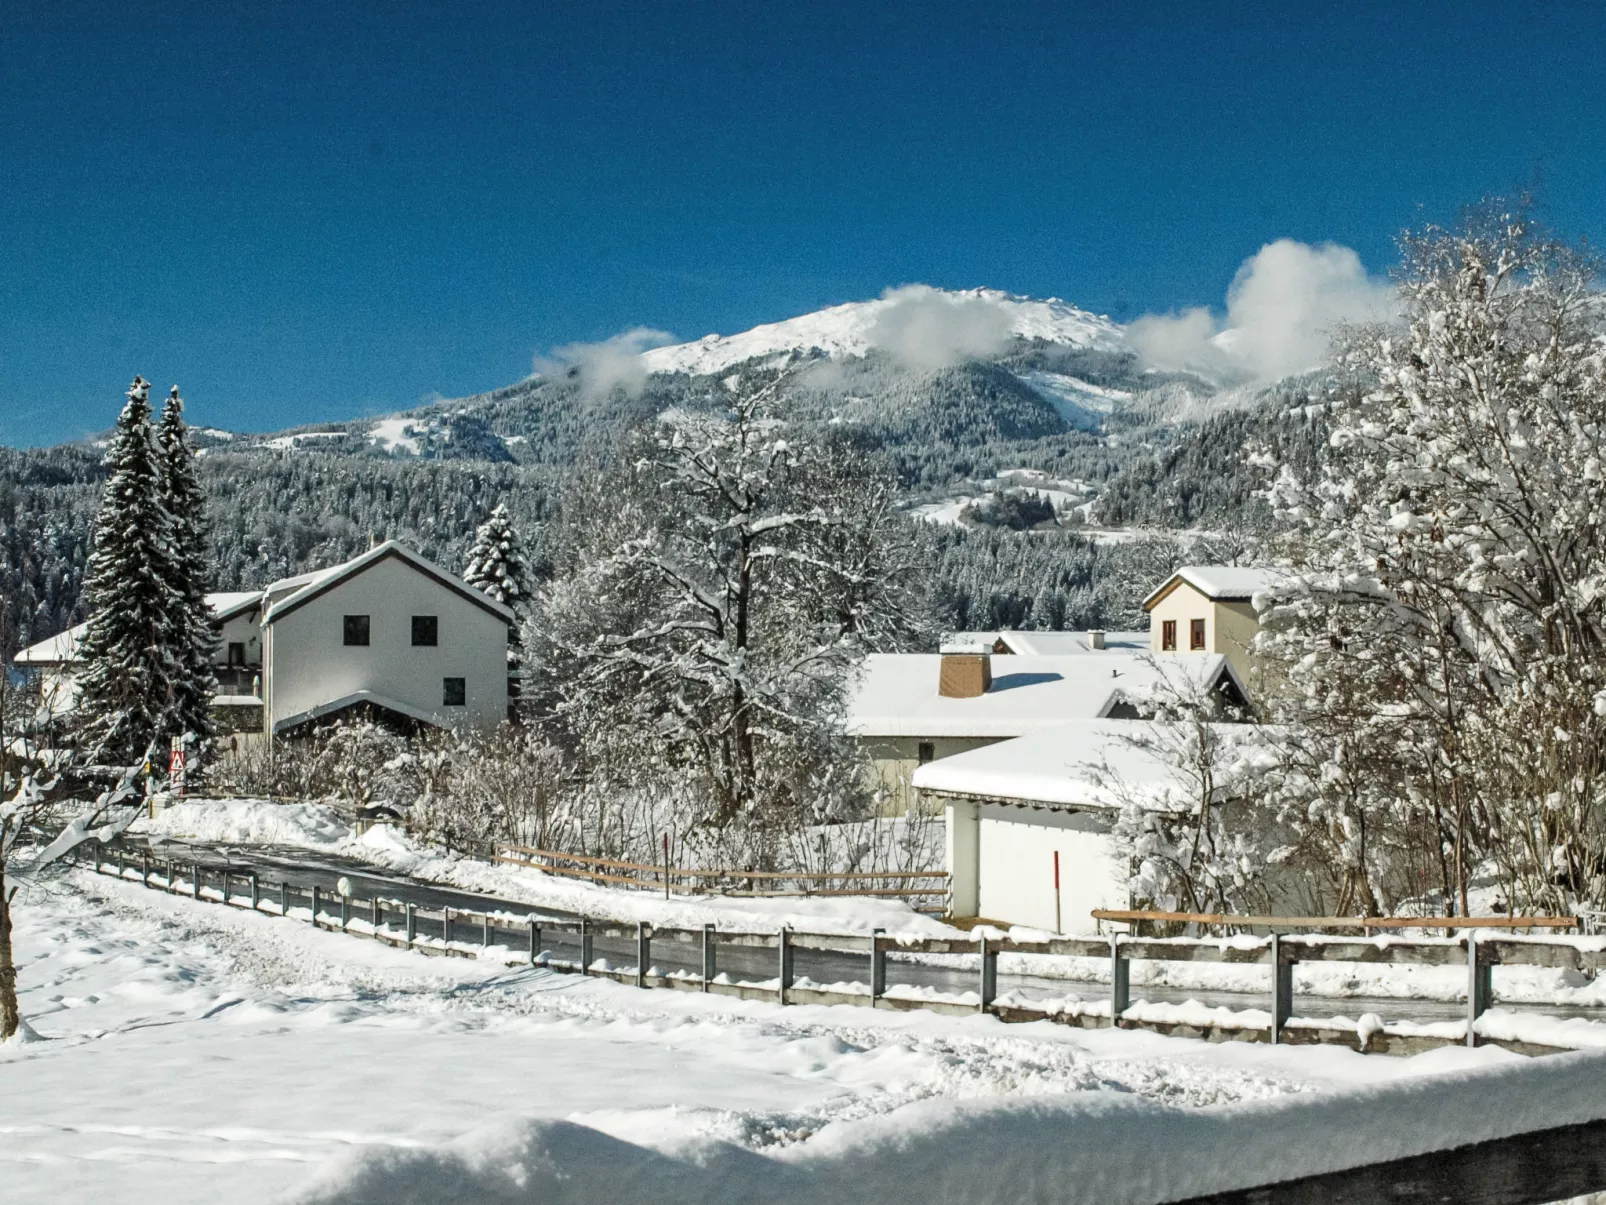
(357, 698)
(386, 551)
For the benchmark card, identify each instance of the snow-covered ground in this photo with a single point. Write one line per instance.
(318, 828)
(193, 1053)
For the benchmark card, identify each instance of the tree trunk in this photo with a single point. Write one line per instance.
(10, 1011)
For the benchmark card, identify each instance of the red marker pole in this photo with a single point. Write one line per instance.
(1058, 928)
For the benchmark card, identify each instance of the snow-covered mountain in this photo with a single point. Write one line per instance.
(920, 324)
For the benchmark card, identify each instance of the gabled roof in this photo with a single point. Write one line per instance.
(1062, 768)
(896, 693)
(311, 586)
(62, 648)
(357, 698)
(1220, 583)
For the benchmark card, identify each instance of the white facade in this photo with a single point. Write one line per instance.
(312, 670)
(284, 658)
(1002, 859)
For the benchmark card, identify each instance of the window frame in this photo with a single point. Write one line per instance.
(229, 658)
(926, 752)
(447, 692)
(433, 623)
(353, 625)
(1196, 635)
(1168, 635)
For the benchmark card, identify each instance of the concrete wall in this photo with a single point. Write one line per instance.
(309, 663)
(893, 760)
(1001, 859)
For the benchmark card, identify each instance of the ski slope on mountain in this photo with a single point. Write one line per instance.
(966, 323)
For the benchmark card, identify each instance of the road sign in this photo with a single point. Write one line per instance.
(175, 771)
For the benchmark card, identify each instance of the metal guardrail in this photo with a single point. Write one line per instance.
(1365, 923)
(402, 924)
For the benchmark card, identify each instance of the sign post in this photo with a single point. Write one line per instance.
(176, 767)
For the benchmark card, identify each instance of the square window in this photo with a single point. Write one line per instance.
(356, 630)
(1196, 634)
(1168, 636)
(927, 752)
(454, 692)
(426, 631)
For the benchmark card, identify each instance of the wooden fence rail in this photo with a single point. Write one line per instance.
(1365, 923)
(466, 933)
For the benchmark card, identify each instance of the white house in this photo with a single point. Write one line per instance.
(387, 634)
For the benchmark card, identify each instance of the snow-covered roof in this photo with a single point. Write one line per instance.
(1220, 583)
(310, 586)
(1055, 644)
(896, 693)
(1058, 767)
(63, 647)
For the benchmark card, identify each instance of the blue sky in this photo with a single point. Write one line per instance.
(304, 211)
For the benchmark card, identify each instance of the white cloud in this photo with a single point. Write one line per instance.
(601, 368)
(1283, 307)
(925, 328)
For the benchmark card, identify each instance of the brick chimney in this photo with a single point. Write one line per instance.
(967, 671)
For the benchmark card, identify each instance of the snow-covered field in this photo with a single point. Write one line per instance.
(193, 1053)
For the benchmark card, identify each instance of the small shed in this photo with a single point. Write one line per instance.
(1029, 821)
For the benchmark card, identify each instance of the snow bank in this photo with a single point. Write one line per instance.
(1103, 1147)
(249, 822)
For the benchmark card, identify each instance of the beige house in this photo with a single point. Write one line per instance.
(909, 709)
(1209, 609)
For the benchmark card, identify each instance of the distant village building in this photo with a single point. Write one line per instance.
(1209, 609)
(387, 635)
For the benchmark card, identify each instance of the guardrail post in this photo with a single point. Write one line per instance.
(195, 879)
(1120, 982)
(485, 929)
(284, 899)
(315, 905)
(446, 925)
(1282, 988)
(376, 909)
(145, 867)
(878, 966)
(643, 951)
(1480, 988)
(170, 883)
(710, 957)
(345, 912)
(785, 968)
(119, 862)
(989, 976)
(412, 923)
(256, 891)
(535, 941)
(587, 947)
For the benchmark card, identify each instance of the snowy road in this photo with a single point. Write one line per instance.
(303, 868)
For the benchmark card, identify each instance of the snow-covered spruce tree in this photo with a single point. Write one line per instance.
(191, 633)
(1446, 650)
(127, 662)
(719, 588)
(499, 566)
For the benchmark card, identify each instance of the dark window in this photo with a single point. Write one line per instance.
(236, 652)
(426, 631)
(1196, 634)
(356, 628)
(927, 752)
(1168, 636)
(454, 692)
